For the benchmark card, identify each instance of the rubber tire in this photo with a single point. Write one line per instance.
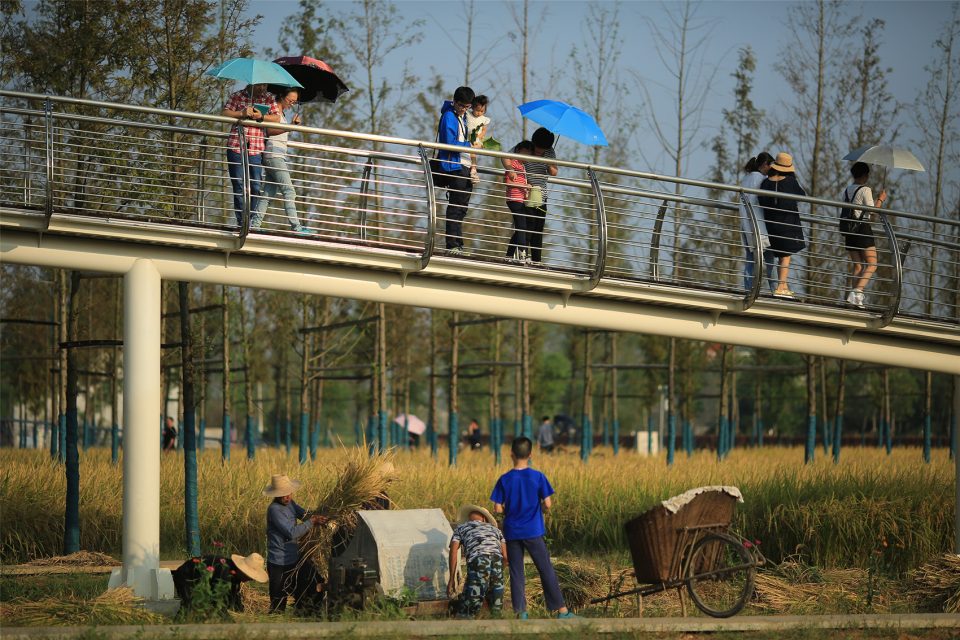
(739, 552)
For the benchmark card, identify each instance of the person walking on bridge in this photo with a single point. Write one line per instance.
(258, 104)
(449, 170)
(782, 217)
(275, 162)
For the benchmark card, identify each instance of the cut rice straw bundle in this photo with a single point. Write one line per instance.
(936, 584)
(78, 559)
(116, 606)
(361, 484)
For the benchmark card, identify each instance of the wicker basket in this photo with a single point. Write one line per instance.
(659, 537)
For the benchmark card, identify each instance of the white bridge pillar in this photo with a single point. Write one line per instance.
(141, 437)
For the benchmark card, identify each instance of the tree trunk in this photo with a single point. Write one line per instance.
(722, 426)
(190, 512)
(250, 436)
(838, 413)
(225, 434)
(454, 430)
(811, 409)
(71, 517)
(585, 427)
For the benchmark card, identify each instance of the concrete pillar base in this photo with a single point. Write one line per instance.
(147, 583)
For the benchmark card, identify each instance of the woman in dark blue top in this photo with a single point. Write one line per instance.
(782, 218)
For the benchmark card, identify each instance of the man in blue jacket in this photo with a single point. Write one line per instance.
(449, 172)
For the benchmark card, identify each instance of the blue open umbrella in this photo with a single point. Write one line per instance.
(253, 71)
(564, 120)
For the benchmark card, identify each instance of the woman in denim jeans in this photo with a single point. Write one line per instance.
(275, 165)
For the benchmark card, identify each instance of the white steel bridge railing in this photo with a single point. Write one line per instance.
(130, 167)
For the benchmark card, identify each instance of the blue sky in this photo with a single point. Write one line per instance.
(907, 46)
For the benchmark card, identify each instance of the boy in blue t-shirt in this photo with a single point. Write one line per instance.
(522, 494)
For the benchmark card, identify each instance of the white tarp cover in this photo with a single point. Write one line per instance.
(412, 549)
(673, 504)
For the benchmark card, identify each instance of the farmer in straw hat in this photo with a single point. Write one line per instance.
(288, 576)
(234, 570)
(485, 550)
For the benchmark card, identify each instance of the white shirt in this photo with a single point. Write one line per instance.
(864, 196)
(753, 180)
(277, 145)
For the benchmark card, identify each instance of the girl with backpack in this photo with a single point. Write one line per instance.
(857, 232)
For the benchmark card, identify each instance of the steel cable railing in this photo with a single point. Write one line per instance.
(125, 163)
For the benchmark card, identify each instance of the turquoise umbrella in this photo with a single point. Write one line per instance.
(253, 71)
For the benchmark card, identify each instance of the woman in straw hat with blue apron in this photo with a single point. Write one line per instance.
(287, 575)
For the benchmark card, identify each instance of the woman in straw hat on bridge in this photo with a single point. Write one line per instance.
(288, 576)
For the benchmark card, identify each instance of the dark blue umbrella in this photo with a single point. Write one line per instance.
(564, 120)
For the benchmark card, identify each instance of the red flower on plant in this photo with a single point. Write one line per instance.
(223, 561)
(232, 572)
(210, 569)
(217, 544)
(756, 542)
(196, 561)
(748, 544)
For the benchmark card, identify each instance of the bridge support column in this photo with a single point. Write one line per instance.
(141, 444)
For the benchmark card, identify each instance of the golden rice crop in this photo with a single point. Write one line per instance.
(115, 606)
(872, 508)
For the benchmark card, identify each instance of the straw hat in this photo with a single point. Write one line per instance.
(280, 485)
(251, 566)
(467, 509)
(783, 163)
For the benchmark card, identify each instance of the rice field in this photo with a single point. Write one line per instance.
(873, 511)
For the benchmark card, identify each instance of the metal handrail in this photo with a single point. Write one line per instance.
(48, 136)
(245, 167)
(430, 241)
(733, 189)
(364, 193)
(891, 311)
(397, 195)
(758, 261)
(601, 260)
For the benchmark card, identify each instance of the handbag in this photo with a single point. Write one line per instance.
(534, 198)
(850, 225)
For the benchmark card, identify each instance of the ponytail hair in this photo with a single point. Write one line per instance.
(754, 163)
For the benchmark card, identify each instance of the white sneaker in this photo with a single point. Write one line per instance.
(860, 300)
(855, 298)
(455, 251)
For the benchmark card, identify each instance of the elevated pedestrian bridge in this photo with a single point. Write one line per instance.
(98, 186)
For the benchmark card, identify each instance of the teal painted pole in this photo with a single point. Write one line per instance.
(722, 438)
(55, 437)
(288, 435)
(888, 436)
(71, 519)
(63, 438)
(454, 439)
(357, 432)
(811, 444)
(114, 443)
(926, 438)
(85, 440)
(432, 438)
(671, 438)
(180, 436)
(304, 445)
(191, 513)
(498, 441)
(650, 436)
(584, 430)
(837, 435)
(616, 437)
(35, 441)
(202, 441)
(405, 437)
(225, 439)
(826, 435)
(382, 430)
(251, 438)
(315, 440)
(760, 432)
(606, 434)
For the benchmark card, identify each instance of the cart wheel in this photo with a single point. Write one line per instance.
(720, 575)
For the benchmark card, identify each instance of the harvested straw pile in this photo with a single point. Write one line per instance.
(362, 483)
(255, 602)
(792, 587)
(116, 606)
(580, 582)
(936, 585)
(78, 559)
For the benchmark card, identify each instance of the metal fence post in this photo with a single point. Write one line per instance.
(602, 236)
(430, 241)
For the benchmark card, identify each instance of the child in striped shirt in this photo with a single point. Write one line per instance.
(515, 178)
(485, 550)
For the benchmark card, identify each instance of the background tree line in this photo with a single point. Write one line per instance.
(156, 53)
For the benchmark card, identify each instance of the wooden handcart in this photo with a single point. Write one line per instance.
(686, 541)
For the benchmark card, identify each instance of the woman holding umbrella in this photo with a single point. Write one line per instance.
(275, 163)
(857, 232)
(240, 105)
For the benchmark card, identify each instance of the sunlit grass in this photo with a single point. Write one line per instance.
(824, 514)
